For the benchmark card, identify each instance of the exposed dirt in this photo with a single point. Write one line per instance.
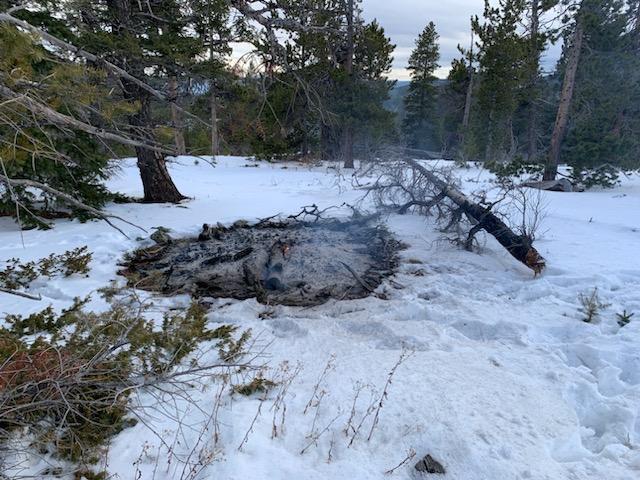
(287, 262)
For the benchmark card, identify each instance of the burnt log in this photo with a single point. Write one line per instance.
(274, 269)
(519, 246)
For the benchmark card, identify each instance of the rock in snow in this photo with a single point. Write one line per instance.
(429, 465)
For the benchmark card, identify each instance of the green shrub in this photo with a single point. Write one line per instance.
(624, 318)
(17, 274)
(591, 306)
(70, 388)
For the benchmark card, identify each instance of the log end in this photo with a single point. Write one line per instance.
(535, 261)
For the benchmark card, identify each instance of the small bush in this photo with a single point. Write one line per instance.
(624, 318)
(258, 385)
(17, 274)
(591, 306)
(605, 176)
(514, 168)
(70, 388)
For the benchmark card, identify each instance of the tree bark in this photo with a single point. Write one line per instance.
(215, 139)
(534, 60)
(176, 119)
(347, 134)
(156, 181)
(566, 97)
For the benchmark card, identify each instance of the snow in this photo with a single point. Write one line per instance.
(503, 379)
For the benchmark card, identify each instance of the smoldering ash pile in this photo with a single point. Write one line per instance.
(289, 262)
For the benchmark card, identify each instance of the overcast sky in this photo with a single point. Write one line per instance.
(403, 20)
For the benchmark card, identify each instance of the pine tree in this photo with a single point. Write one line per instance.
(597, 126)
(453, 105)
(419, 125)
(502, 64)
(150, 40)
(34, 147)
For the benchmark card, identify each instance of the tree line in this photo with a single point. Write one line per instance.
(499, 107)
(83, 82)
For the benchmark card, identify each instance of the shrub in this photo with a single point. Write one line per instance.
(605, 176)
(624, 318)
(591, 306)
(17, 274)
(69, 390)
(514, 168)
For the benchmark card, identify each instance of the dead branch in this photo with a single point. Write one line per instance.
(8, 18)
(357, 278)
(519, 246)
(406, 183)
(20, 294)
(57, 118)
(69, 199)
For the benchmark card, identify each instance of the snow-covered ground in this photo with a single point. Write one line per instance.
(504, 380)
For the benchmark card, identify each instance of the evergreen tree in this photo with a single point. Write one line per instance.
(35, 148)
(452, 105)
(374, 124)
(150, 40)
(604, 127)
(503, 66)
(419, 125)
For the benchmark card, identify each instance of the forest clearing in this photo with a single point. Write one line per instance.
(295, 263)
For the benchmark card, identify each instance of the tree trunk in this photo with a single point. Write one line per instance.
(533, 80)
(215, 139)
(469, 97)
(467, 102)
(213, 104)
(347, 134)
(176, 118)
(568, 85)
(156, 181)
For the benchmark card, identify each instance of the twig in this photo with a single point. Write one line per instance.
(20, 294)
(410, 454)
(357, 277)
(68, 198)
(250, 429)
(385, 392)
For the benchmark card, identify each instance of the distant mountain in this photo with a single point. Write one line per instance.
(399, 91)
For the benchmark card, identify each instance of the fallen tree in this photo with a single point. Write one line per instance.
(407, 184)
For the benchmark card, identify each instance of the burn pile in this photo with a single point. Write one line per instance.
(287, 262)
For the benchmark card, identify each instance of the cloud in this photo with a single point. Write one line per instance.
(403, 20)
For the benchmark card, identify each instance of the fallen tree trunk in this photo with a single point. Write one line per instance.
(519, 246)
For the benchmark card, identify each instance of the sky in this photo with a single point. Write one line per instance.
(403, 20)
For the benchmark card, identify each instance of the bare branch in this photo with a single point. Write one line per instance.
(69, 199)
(7, 17)
(20, 294)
